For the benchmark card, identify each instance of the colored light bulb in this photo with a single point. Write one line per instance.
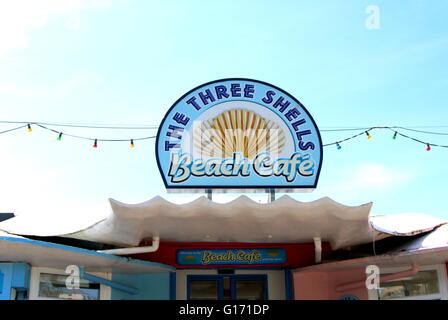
(395, 135)
(59, 137)
(132, 143)
(428, 148)
(95, 144)
(338, 146)
(368, 135)
(29, 128)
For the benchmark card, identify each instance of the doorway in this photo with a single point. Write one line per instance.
(227, 287)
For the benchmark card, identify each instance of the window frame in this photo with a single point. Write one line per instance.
(104, 293)
(441, 278)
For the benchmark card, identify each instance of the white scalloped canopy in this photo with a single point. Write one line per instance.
(285, 220)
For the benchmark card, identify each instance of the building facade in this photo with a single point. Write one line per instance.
(286, 250)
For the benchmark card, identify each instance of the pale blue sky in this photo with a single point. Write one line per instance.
(127, 62)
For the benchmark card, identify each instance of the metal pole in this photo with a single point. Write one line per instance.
(271, 195)
(209, 194)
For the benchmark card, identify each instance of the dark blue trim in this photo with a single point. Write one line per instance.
(85, 251)
(289, 285)
(173, 285)
(237, 267)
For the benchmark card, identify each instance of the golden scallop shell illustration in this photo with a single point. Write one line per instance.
(237, 130)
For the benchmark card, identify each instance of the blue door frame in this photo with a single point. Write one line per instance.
(219, 278)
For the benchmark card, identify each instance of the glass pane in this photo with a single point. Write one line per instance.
(249, 289)
(53, 286)
(423, 283)
(203, 289)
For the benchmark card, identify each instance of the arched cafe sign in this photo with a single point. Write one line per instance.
(236, 135)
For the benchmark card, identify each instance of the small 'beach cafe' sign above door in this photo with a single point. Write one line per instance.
(204, 257)
(238, 135)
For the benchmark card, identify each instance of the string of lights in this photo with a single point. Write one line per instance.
(155, 127)
(394, 136)
(362, 131)
(95, 144)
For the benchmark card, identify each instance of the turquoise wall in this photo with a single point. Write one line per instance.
(154, 286)
(13, 275)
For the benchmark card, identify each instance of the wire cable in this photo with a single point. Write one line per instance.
(363, 131)
(422, 131)
(13, 129)
(84, 125)
(95, 139)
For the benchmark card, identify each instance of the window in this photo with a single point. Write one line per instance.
(430, 283)
(249, 289)
(203, 289)
(423, 283)
(49, 284)
(226, 287)
(53, 286)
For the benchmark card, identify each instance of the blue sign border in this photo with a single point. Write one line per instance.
(237, 187)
